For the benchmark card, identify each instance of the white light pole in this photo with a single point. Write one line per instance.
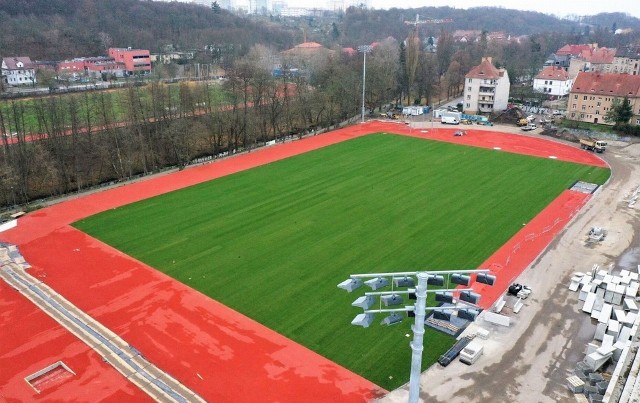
(364, 49)
(420, 308)
(418, 334)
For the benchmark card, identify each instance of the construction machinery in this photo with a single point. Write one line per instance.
(593, 145)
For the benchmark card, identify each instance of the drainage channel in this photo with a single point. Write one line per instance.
(130, 363)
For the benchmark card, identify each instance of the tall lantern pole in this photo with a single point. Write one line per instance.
(364, 49)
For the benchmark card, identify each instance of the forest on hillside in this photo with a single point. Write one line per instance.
(62, 29)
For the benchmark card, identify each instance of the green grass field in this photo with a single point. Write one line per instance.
(88, 105)
(273, 242)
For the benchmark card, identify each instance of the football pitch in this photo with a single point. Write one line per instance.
(273, 242)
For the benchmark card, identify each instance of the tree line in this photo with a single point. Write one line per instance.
(81, 141)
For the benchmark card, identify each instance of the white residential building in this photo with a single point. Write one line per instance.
(486, 88)
(18, 71)
(553, 81)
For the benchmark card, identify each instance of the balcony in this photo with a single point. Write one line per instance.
(485, 107)
(487, 90)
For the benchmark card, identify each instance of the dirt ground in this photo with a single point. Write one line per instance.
(530, 360)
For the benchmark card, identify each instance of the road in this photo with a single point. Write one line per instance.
(530, 361)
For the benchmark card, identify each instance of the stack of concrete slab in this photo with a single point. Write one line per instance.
(575, 384)
(610, 299)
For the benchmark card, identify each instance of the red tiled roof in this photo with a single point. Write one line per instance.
(484, 70)
(306, 48)
(599, 56)
(308, 45)
(574, 50)
(553, 73)
(620, 85)
(349, 51)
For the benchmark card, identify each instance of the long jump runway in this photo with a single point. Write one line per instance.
(216, 352)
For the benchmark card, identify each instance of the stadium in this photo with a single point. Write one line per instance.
(218, 282)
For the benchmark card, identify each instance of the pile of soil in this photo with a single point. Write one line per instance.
(510, 116)
(560, 133)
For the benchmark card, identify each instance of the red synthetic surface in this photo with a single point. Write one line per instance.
(513, 257)
(217, 352)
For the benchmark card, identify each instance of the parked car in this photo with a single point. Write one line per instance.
(530, 126)
(557, 112)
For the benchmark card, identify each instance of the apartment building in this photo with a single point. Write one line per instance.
(136, 61)
(627, 60)
(486, 88)
(593, 92)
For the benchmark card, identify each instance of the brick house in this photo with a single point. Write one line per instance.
(593, 92)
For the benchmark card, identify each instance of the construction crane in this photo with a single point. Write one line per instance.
(418, 22)
(413, 48)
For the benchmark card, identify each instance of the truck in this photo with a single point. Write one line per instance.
(593, 145)
(522, 122)
(471, 353)
(452, 118)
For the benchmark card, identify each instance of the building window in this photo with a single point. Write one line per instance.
(584, 98)
(598, 104)
(582, 116)
(469, 88)
(470, 80)
(575, 97)
(574, 106)
(573, 114)
(468, 96)
(584, 107)
(597, 112)
(468, 105)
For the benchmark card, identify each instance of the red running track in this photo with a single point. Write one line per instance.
(214, 350)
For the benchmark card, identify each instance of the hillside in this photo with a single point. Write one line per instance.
(59, 29)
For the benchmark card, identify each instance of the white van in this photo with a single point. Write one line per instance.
(471, 353)
(450, 120)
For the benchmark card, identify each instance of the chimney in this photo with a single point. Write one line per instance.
(488, 59)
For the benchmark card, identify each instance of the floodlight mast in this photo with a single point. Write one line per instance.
(420, 308)
(364, 49)
(418, 336)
